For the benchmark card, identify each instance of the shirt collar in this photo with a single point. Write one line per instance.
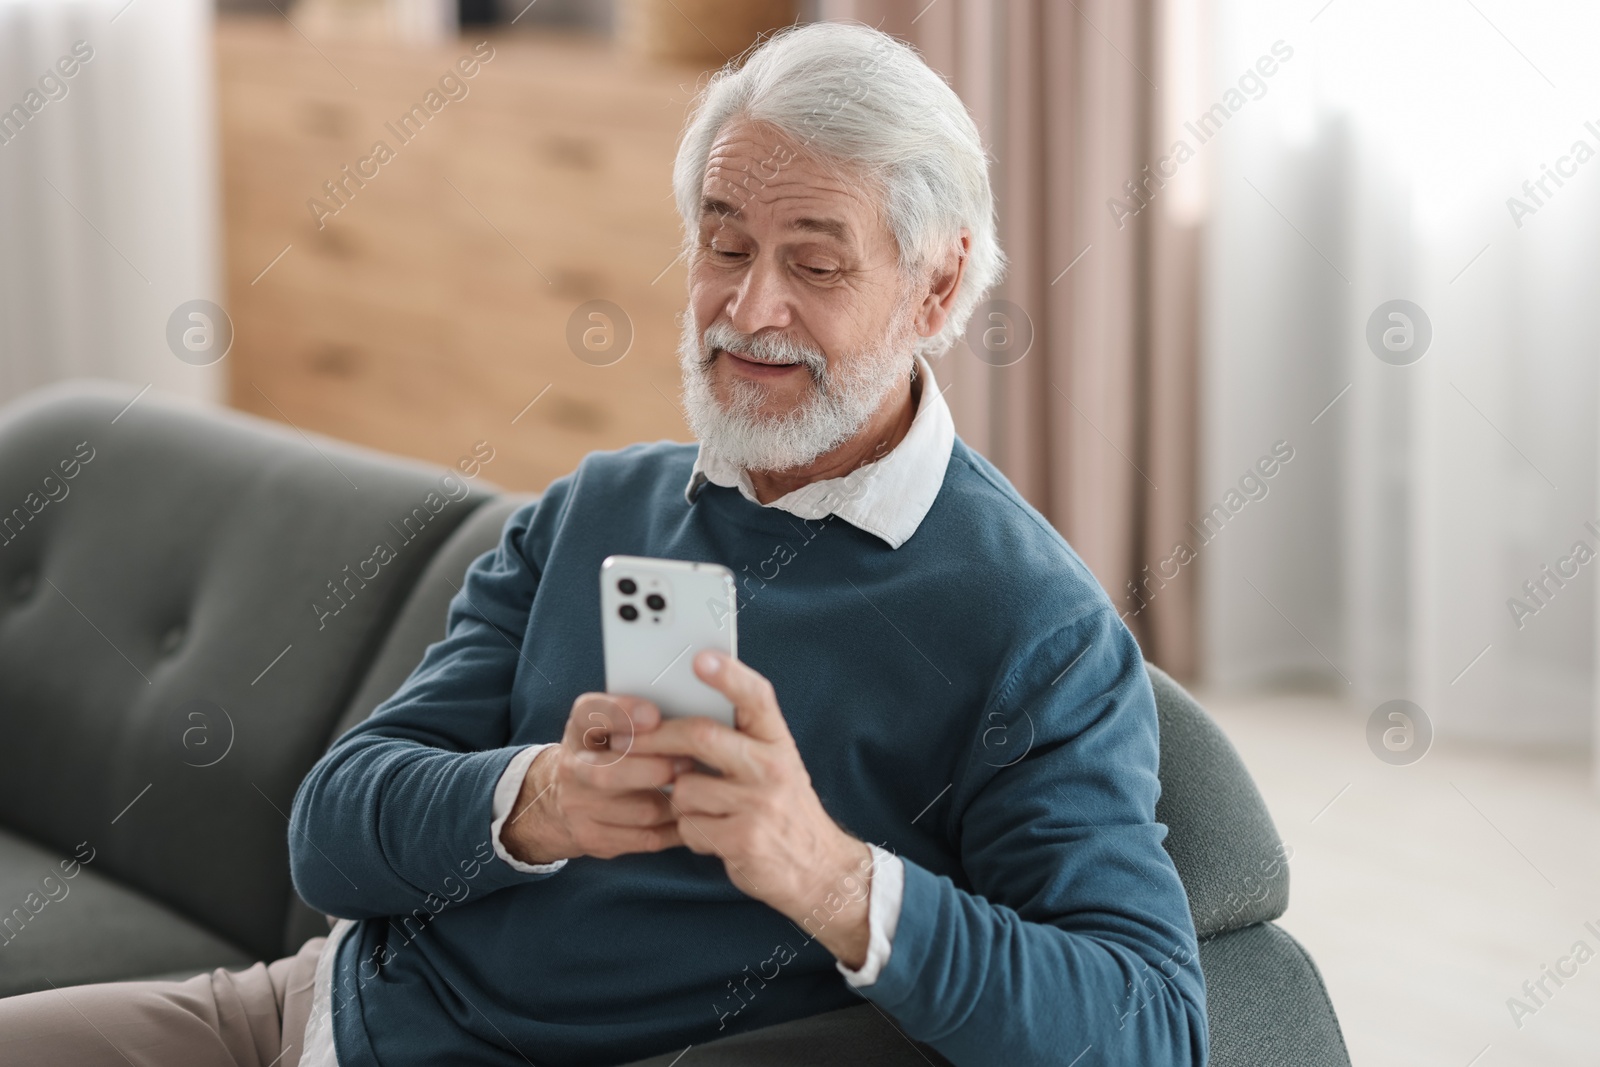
(888, 497)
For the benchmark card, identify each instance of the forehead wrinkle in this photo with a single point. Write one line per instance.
(784, 185)
(797, 206)
(742, 161)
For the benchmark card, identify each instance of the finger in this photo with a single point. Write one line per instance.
(698, 737)
(674, 737)
(633, 810)
(615, 841)
(601, 721)
(620, 772)
(699, 833)
(705, 794)
(754, 702)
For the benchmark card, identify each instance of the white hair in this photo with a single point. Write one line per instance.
(857, 98)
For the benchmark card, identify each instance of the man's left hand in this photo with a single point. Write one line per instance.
(762, 817)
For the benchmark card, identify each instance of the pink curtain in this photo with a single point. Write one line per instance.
(1096, 425)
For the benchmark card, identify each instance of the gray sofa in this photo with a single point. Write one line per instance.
(183, 632)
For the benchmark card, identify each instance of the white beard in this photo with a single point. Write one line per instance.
(839, 405)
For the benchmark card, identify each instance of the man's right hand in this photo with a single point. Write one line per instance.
(588, 796)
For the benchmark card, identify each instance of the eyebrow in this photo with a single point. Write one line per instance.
(834, 228)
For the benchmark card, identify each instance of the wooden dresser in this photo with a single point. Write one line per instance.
(428, 310)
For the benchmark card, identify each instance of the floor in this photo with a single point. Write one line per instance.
(1429, 894)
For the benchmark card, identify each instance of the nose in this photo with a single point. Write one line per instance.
(760, 300)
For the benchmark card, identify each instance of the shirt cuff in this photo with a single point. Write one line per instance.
(885, 888)
(505, 795)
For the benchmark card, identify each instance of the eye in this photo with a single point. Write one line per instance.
(724, 254)
(819, 272)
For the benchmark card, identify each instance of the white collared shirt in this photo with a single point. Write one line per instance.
(887, 498)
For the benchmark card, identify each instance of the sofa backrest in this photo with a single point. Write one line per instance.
(421, 619)
(189, 597)
(1219, 833)
(419, 623)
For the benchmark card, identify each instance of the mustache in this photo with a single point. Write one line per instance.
(770, 348)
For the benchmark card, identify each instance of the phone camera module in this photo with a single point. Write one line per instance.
(628, 612)
(627, 587)
(656, 601)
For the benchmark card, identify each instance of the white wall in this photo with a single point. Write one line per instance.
(91, 269)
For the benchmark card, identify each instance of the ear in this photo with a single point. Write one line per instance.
(943, 286)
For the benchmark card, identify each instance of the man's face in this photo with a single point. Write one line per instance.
(799, 322)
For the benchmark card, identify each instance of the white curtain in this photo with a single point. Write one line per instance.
(108, 190)
(1377, 165)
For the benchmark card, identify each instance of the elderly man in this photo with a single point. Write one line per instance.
(940, 790)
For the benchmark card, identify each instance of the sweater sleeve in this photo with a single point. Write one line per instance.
(1075, 938)
(400, 809)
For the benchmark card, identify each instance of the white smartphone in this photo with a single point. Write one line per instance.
(656, 614)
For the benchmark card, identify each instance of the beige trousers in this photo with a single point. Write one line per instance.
(250, 1018)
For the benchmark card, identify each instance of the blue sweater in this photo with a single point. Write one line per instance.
(970, 701)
